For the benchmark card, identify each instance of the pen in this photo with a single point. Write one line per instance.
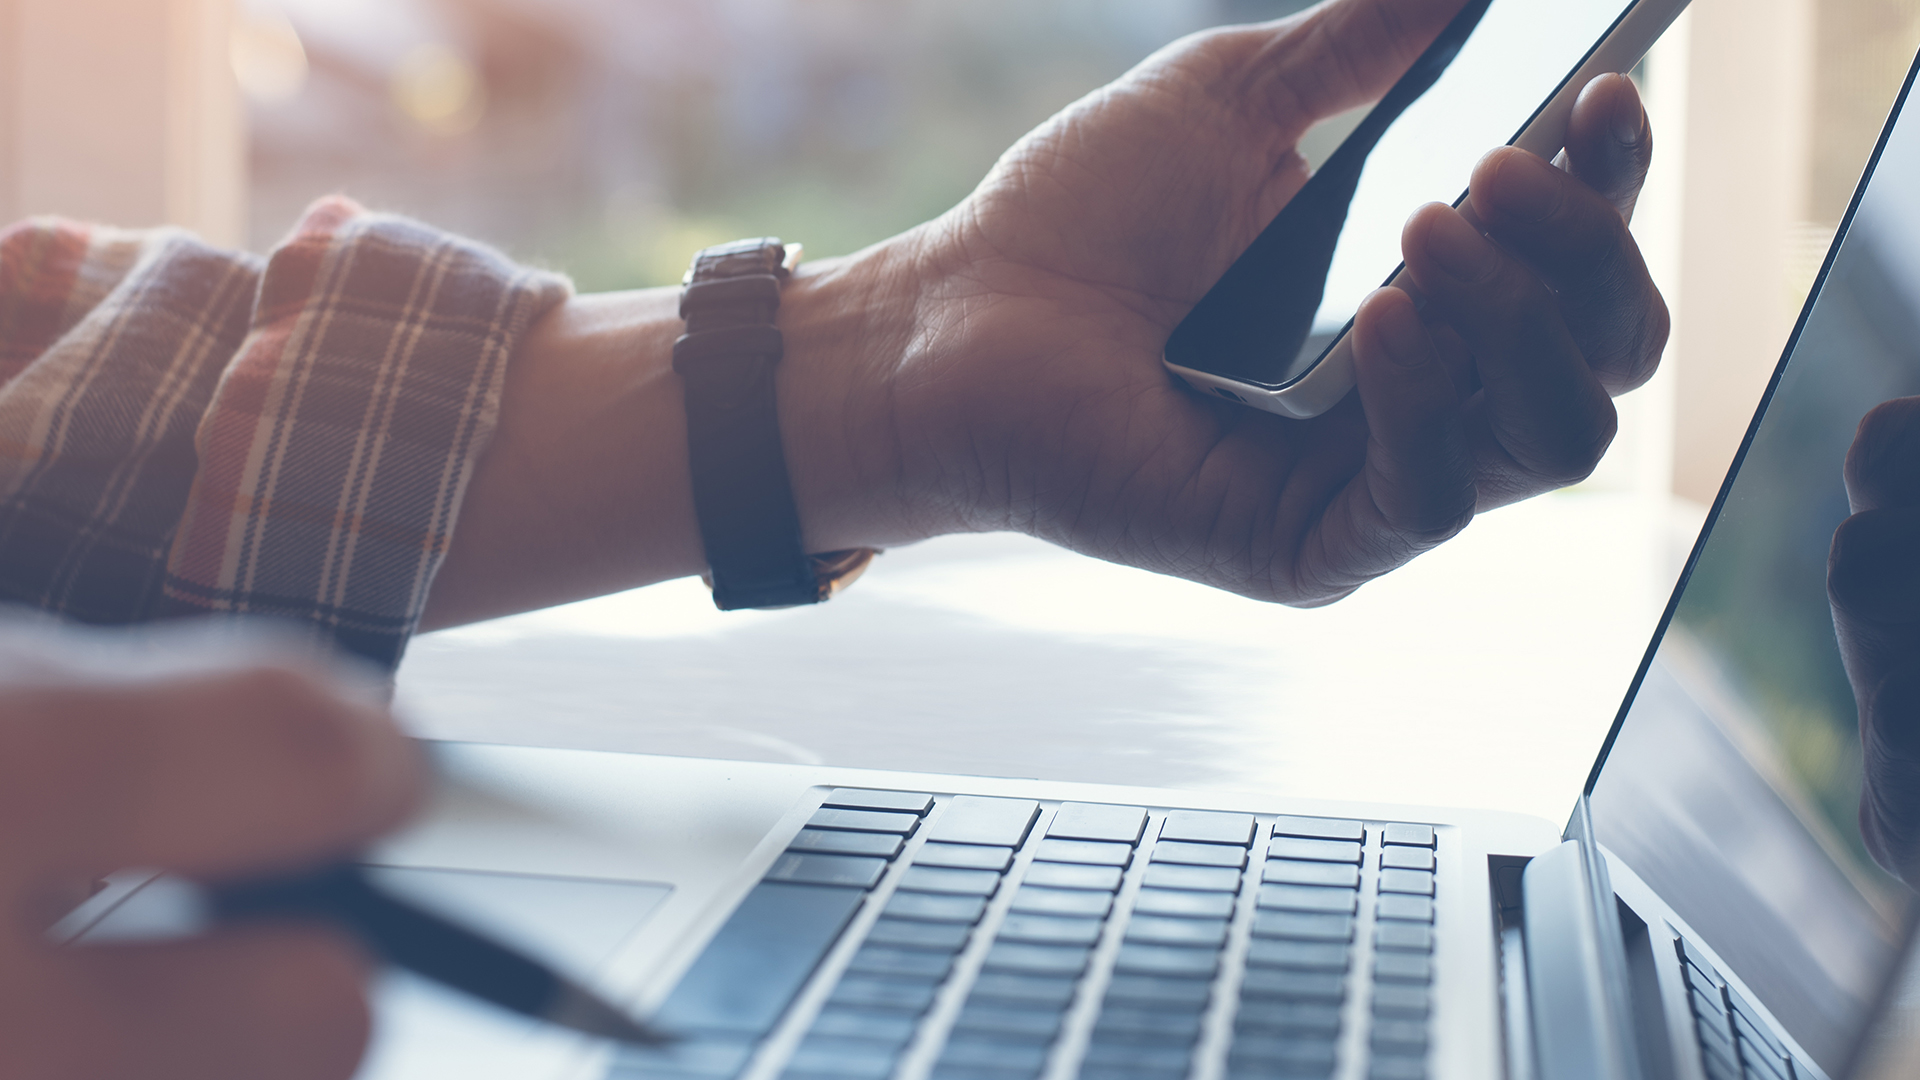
(433, 946)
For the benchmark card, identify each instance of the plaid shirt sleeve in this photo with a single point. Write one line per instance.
(186, 430)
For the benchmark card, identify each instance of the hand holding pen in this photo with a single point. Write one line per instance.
(220, 775)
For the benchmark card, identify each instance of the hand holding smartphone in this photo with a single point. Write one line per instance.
(1275, 332)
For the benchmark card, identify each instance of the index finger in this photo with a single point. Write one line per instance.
(1575, 239)
(211, 776)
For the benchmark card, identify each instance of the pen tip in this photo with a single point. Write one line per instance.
(583, 1011)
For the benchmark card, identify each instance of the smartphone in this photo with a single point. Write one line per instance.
(1276, 331)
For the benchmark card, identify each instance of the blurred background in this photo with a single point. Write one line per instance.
(612, 138)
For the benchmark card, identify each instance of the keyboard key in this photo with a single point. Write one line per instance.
(1339, 851)
(1403, 967)
(880, 845)
(1284, 1057)
(862, 799)
(1396, 999)
(880, 821)
(1743, 1019)
(974, 819)
(1693, 956)
(884, 960)
(1029, 991)
(861, 873)
(1286, 984)
(1091, 852)
(1718, 1069)
(1713, 1033)
(888, 1027)
(1061, 960)
(1181, 851)
(1195, 905)
(1775, 1061)
(934, 907)
(1039, 901)
(1050, 929)
(1166, 960)
(1295, 872)
(1164, 930)
(1407, 835)
(1196, 878)
(1314, 828)
(1303, 955)
(1715, 1043)
(1134, 1071)
(1400, 1036)
(884, 992)
(685, 1057)
(1403, 935)
(1306, 1019)
(968, 1072)
(1701, 981)
(1407, 858)
(762, 955)
(1122, 1054)
(1073, 876)
(1096, 821)
(1762, 1063)
(852, 1059)
(1397, 1068)
(1411, 908)
(1162, 990)
(1208, 827)
(1302, 926)
(1125, 1024)
(941, 879)
(1002, 1021)
(993, 1055)
(1309, 898)
(964, 856)
(1417, 882)
(906, 934)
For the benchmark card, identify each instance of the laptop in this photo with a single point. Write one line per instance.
(1707, 912)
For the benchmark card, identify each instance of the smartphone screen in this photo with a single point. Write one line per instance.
(1282, 306)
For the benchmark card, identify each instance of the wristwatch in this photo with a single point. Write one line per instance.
(742, 494)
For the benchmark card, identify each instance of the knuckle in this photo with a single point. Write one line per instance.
(1577, 451)
(1869, 578)
(300, 722)
(1886, 447)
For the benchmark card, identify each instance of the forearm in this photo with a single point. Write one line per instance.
(585, 488)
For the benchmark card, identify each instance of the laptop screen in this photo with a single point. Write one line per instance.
(1732, 786)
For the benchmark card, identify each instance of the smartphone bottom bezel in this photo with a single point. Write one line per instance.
(1305, 397)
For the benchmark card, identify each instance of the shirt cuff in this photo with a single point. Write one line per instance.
(338, 444)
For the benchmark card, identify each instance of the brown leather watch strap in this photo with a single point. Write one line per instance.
(742, 494)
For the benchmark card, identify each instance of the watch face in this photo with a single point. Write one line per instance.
(742, 258)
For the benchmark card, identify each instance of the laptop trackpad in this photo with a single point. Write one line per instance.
(425, 1032)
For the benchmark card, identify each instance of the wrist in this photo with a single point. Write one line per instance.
(848, 324)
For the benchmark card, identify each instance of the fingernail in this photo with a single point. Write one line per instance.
(1459, 249)
(1526, 188)
(1404, 338)
(1629, 119)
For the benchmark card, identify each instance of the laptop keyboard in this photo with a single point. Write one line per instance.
(908, 935)
(1734, 1043)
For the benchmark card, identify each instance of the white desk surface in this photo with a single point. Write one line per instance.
(1484, 674)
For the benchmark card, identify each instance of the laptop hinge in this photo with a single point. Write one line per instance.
(1576, 963)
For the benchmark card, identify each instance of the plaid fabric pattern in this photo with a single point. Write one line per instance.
(185, 430)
